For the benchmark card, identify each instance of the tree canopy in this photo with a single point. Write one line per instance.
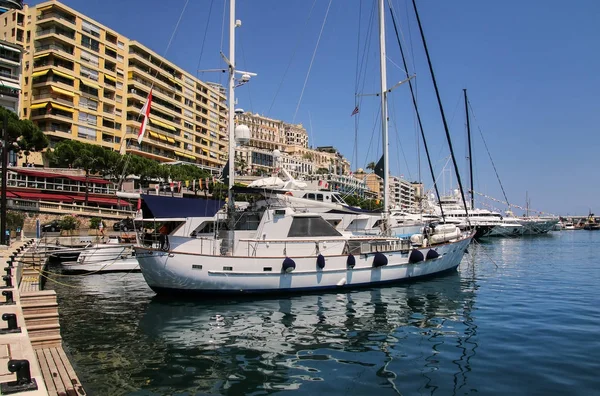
(23, 135)
(95, 159)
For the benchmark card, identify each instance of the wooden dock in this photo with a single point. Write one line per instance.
(39, 339)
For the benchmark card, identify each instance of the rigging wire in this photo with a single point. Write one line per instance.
(312, 61)
(296, 46)
(399, 145)
(204, 37)
(414, 100)
(441, 107)
(222, 38)
(489, 154)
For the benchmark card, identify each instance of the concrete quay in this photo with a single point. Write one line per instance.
(32, 359)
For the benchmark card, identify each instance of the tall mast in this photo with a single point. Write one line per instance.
(231, 98)
(384, 115)
(471, 192)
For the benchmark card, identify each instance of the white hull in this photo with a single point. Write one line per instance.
(129, 264)
(175, 272)
(104, 257)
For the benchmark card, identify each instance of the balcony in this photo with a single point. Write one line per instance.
(56, 15)
(59, 32)
(54, 47)
(9, 75)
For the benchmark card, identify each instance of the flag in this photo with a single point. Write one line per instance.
(146, 113)
(354, 112)
(194, 184)
(379, 171)
(171, 185)
(178, 186)
(187, 184)
(139, 201)
(156, 187)
(207, 181)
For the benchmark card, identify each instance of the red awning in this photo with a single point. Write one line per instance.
(103, 201)
(49, 175)
(42, 196)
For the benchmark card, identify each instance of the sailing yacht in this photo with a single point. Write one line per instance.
(278, 248)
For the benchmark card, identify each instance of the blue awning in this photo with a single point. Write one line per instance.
(160, 207)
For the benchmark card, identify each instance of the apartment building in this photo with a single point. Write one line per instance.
(295, 135)
(10, 75)
(84, 81)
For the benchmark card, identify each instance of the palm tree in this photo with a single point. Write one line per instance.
(371, 166)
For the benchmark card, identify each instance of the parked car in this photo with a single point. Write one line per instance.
(53, 226)
(124, 225)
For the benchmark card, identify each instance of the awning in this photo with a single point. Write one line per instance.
(41, 56)
(89, 84)
(45, 7)
(162, 124)
(65, 75)
(179, 154)
(62, 91)
(38, 105)
(190, 157)
(162, 137)
(63, 108)
(156, 206)
(40, 73)
(111, 78)
(103, 200)
(153, 134)
(10, 85)
(43, 196)
(170, 139)
(9, 48)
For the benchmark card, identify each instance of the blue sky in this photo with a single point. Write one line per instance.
(530, 67)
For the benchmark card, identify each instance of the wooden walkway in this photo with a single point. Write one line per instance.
(37, 315)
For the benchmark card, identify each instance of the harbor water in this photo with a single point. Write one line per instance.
(521, 316)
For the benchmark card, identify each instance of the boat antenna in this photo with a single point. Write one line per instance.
(414, 100)
(439, 100)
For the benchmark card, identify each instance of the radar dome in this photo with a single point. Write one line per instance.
(242, 134)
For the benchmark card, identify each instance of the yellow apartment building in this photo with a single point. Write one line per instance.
(86, 82)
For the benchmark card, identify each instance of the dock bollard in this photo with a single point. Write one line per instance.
(24, 381)
(9, 298)
(8, 280)
(11, 320)
(9, 262)
(8, 270)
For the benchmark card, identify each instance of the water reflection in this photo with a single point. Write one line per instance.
(334, 342)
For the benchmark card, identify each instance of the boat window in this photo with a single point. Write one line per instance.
(311, 196)
(313, 226)
(319, 197)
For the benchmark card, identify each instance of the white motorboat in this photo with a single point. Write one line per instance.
(111, 256)
(289, 250)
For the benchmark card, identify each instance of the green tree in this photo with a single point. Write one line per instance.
(23, 135)
(322, 171)
(371, 166)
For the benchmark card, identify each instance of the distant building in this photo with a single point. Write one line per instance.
(10, 75)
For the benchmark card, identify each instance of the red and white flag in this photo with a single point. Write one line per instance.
(146, 113)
